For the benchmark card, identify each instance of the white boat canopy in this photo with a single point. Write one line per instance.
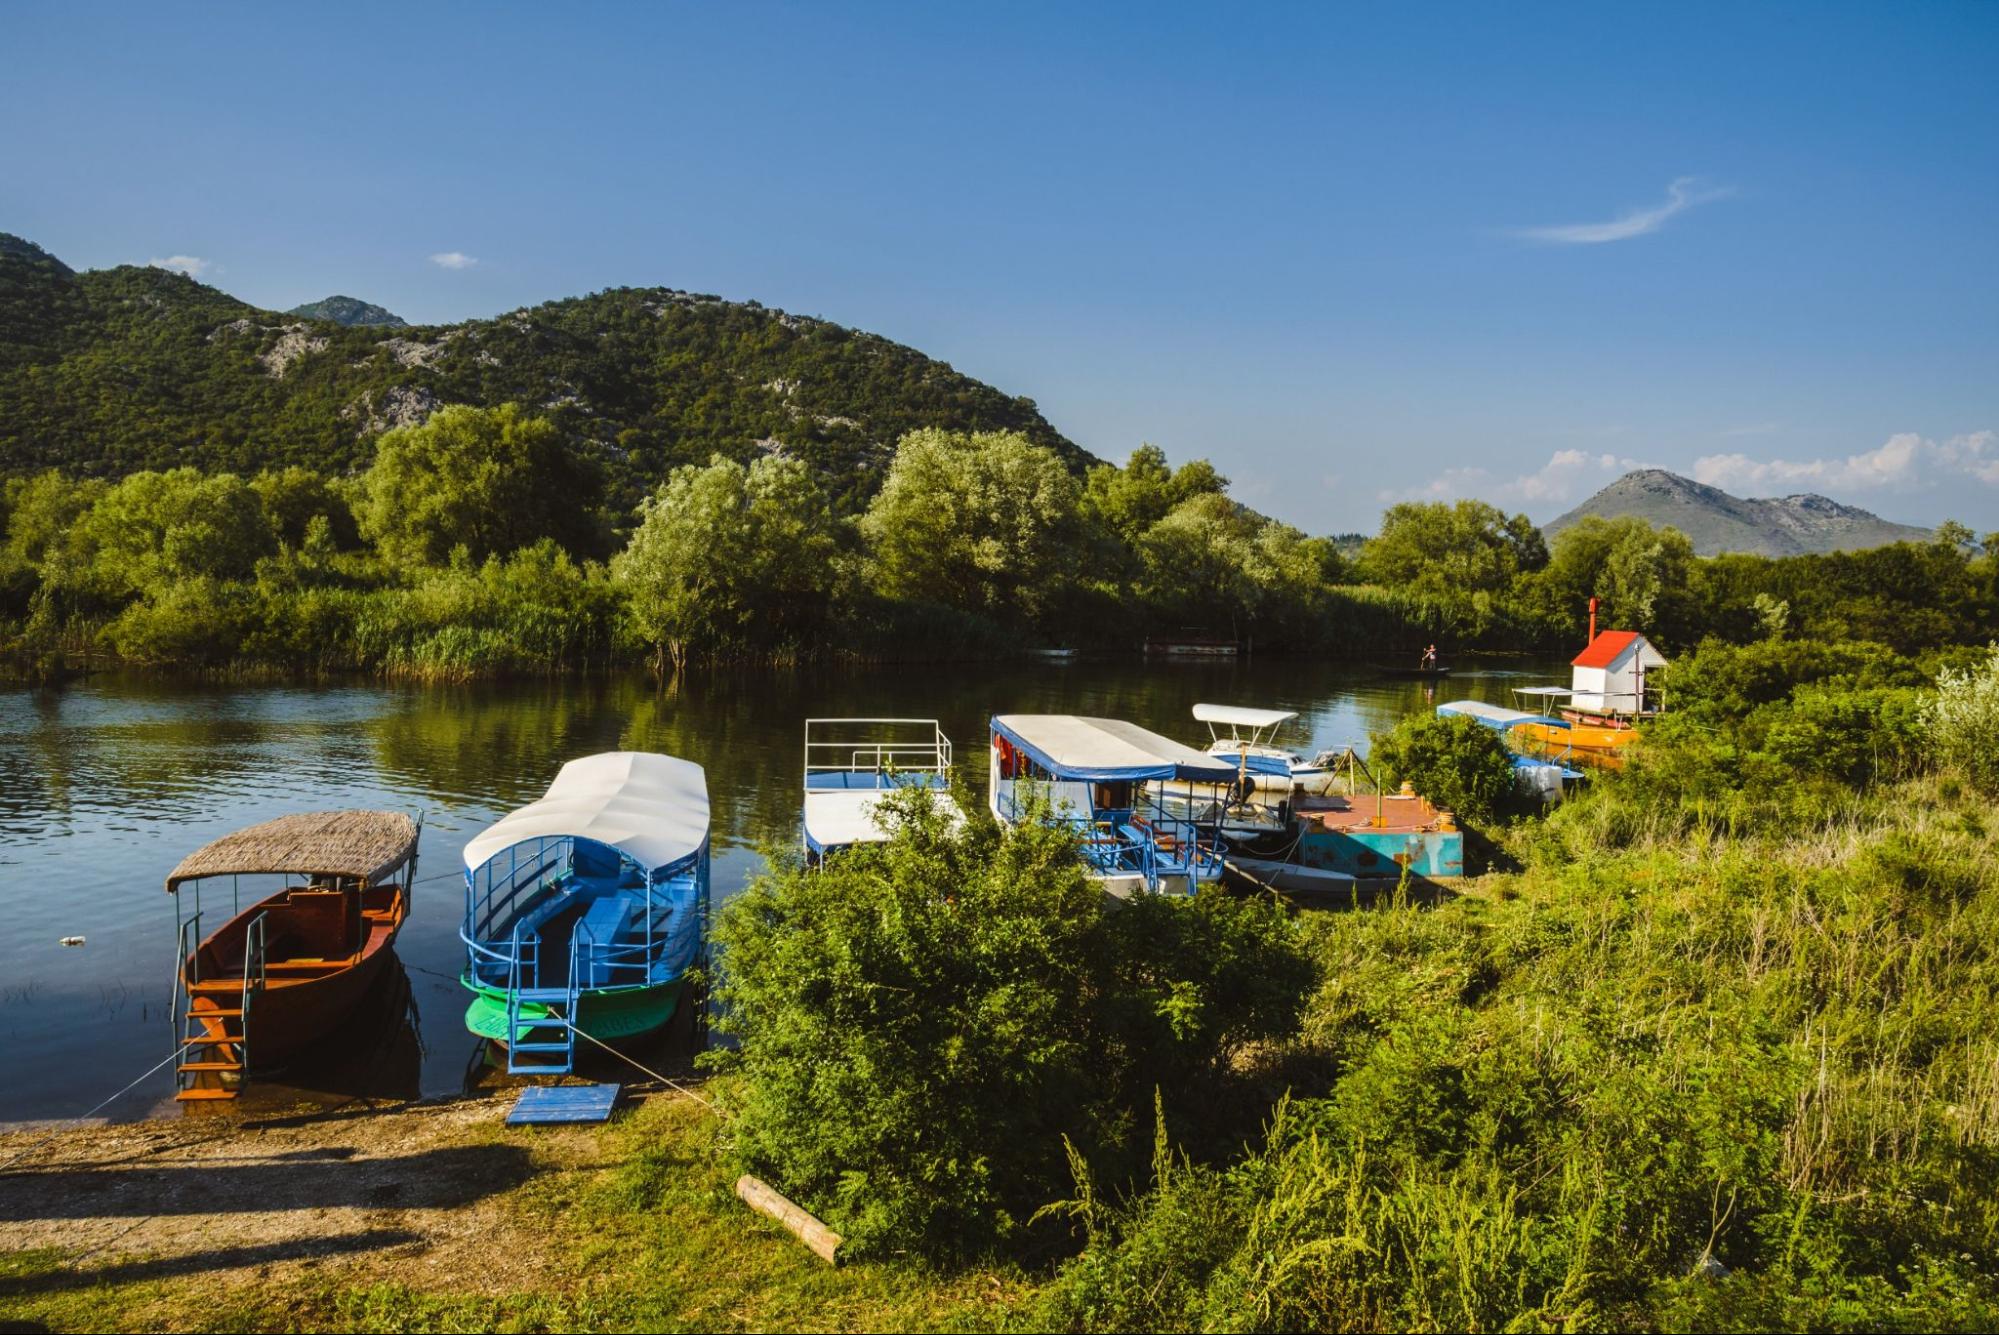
(842, 817)
(652, 808)
(1550, 692)
(1241, 716)
(1497, 716)
(1102, 750)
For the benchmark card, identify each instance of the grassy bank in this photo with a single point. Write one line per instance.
(432, 1217)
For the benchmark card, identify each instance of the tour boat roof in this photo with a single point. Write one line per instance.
(1497, 716)
(1106, 749)
(1243, 716)
(1551, 692)
(364, 844)
(653, 808)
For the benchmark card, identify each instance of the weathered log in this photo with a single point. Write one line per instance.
(766, 1199)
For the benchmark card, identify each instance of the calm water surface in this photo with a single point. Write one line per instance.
(105, 786)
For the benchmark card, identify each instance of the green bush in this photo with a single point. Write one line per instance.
(1962, 721)
(1459, 764)
(927, 1028)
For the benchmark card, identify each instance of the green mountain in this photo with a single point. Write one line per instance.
(349, 311)
(115, 370)
(1718, 522)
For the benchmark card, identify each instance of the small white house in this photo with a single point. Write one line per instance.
(1609, 676)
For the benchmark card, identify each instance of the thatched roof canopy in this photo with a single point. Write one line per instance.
(367, 844)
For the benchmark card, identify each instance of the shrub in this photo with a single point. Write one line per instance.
(929, 1026)
(1457, 763)
(1961, 720)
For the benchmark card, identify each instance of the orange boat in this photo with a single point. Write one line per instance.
(285, 971)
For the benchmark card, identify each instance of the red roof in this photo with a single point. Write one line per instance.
(1604, 649)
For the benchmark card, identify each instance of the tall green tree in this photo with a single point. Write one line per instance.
(1642, 576)
(491, 480)
(729, 557)
(989, 522)
(1469, 547)
(1131, 499)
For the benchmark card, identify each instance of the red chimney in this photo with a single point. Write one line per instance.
(1592, 619)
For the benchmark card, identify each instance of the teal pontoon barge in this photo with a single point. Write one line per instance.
(1127, 792)
(585, 909)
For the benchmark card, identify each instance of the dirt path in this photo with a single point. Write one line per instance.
(415, 1194)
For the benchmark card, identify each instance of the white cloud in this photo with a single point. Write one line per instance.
(1681, 195)
(1903, 461)
(191, 265)
(453, 259)
(1568, 476)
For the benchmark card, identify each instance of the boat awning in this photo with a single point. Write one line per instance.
(1103, 750)
(1241, 716)
(836, 818)
(1497, 716)
(364, 844)
(1547, 692)
(652, 808)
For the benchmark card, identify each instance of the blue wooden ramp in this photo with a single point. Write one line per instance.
(540, 1105)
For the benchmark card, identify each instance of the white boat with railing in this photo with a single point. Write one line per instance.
(1127, 792)
(1250, 744)
(851, 764)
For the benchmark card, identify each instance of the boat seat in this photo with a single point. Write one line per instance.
(607, 918)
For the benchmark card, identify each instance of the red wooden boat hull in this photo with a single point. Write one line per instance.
(306, 995)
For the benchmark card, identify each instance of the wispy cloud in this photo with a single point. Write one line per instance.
(1903, 461)
(1683, 194)
(1568, 476)
(192, 265)
(453, 259)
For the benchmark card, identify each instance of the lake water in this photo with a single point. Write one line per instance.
(105, 786)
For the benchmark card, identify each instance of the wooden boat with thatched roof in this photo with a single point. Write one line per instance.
(288, 967)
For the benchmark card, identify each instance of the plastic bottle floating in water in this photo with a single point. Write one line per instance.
(70, 941)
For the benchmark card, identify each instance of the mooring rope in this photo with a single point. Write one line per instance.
(664, 1080)
(82, 1117)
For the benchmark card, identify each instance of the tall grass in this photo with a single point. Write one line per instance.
(1689, 1080)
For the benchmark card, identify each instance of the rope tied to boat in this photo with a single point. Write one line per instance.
(668, 1081)
(66, 1124)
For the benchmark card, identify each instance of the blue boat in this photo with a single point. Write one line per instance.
(851, 764)
(1132, 796)
(585, 909)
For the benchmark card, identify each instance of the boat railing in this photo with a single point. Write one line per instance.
(890, 745)
(1120, 840)
(187, 963)
(256, 956)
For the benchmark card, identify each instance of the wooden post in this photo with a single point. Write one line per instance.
(766, 1199)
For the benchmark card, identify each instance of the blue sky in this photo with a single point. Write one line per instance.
(1352, 254)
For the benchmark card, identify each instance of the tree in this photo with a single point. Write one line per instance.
(1641, 575)
(155, 529)
(491, 480)
(987, 522)
(729, 556)
(294, 497)
(1469, 547)
(1132, 499)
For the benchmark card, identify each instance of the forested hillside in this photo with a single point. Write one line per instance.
(108, 372)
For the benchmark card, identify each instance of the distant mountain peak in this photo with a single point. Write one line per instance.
(1718, 522)
(350, 311)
